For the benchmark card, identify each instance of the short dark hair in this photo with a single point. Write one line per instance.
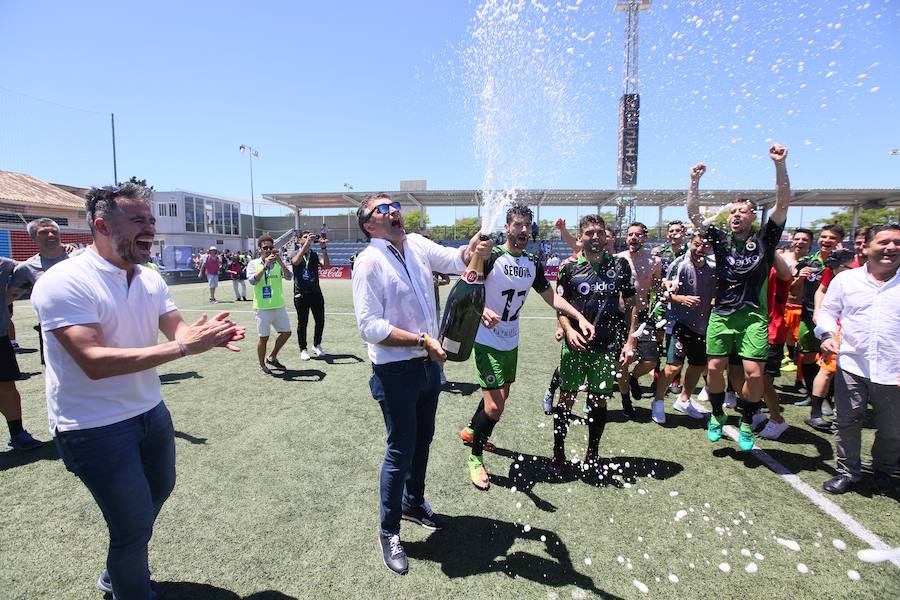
(876, 229)
(834, 228)
(637, 224)
(363, 214)
(674, 223)
(591, 220)
(745, 201)
(264, 238)
(862, 232)
(520, 210)
(804, 230)
(102, 202)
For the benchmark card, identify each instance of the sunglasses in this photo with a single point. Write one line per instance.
(382, 209)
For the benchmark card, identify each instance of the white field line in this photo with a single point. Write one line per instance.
(827, 506)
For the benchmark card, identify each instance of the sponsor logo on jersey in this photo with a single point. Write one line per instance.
(743, 262)
(516, 271)
(611, 274)
(585, 287)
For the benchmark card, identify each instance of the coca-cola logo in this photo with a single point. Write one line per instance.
(331, 272)
(470, 276)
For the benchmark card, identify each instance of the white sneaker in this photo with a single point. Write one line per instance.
(700, 409)
(547, 403)
(319, 351)
(659, 411)
(773, 430)
(304, 355)
(758, 419)
(687, 407)
(703, 396)
(730, 399)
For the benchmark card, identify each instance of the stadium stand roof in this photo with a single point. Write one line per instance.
(862, 198)
(19, 189)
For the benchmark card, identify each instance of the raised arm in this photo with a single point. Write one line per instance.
(778, 154)
(693, 197)
(565, 236)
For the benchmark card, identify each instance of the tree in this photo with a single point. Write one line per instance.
(411, 219)
(135, 180)
(463, 229)
(867, 217)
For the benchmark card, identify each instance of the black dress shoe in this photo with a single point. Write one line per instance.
(839, 485)
(425, 517)
(819, 424)
(392, 554)
(883, 485)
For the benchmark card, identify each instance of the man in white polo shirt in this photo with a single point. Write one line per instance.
(100, 313)
(393, 297)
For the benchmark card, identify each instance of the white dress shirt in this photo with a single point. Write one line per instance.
(393, 292)
(869, 317)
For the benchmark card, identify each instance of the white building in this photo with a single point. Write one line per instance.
(196, 220)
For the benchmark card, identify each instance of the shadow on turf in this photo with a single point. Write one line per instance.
(473, 545)
(307, 375)
(189, 438)
(184, 590)
(526, 473)
(174, 378)
(463, 388)
(340, 359)
(18, 458)
(794, 462)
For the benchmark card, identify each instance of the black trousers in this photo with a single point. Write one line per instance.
(304, 303)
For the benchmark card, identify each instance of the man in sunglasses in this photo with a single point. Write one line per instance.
(393, 297)
(265, 274)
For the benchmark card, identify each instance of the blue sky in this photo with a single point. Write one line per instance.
(374, 93)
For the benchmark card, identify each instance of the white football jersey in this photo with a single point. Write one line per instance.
(507, 280)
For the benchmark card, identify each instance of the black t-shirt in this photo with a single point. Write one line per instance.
(596, 290)
(306, 274)
(811, 285)
(742, 267)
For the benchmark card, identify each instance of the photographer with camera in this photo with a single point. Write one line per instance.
(307, 293)
(265, 275)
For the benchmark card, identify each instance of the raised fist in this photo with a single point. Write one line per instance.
(698, 170)
(778, 153)
(560, 223)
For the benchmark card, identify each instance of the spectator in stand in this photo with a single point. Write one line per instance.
(534, 231)
(553, 261)
(238, 274)
(210, 268)
(866, 302)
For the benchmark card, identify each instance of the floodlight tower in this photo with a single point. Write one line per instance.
(629, 113)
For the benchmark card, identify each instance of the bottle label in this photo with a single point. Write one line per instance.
(450, 345)
(472, 276)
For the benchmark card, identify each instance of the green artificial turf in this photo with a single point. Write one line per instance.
(277, 493)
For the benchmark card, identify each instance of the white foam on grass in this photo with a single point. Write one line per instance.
(725, 567)
(839, 544)
(751, 568)
(641, 586)
(789, 544)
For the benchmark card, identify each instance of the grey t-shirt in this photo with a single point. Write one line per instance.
(692, 281)
(7, 265)
(28, 271)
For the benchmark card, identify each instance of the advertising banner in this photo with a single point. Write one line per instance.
(338, 272)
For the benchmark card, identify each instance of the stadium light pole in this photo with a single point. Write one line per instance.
(250, 154)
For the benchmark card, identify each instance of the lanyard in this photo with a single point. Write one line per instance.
(425, 312)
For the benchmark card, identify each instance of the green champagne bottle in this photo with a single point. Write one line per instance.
(462, 313)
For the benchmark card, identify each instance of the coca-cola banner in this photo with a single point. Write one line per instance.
(342, 272)
(551, 272)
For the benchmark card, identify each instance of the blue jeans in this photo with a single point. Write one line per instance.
(407, 392)
(129, 468)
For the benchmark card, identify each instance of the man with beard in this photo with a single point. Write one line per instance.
(801, 242)
(674, 248)
(265, 274)
(101, 313)
(509, 275)
(393, 298)
(597, 284)
(693, 285)
(739, 322)
(45, 234)
(866, 302)
(807, 277)
(647, 270)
